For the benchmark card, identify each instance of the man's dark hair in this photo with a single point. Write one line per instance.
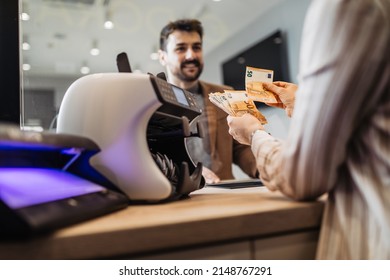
(188, 25)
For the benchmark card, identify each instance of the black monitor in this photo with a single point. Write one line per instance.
(9, 66)
(269, 53)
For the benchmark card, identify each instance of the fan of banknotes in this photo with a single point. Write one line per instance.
(239, 102)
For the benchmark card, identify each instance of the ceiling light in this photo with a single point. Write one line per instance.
(24, 15)
(108, 24)
(85, 69)
(154, 56)
(26, 66)
(94, 50)
(25, 44)
(154, 53)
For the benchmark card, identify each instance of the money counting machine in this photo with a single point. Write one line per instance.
(139, 122)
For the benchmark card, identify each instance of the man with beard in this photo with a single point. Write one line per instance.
(181, 54)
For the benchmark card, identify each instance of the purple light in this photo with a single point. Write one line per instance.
(22, 187)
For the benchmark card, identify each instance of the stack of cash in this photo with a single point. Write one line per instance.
(239, 102)
(236, 103)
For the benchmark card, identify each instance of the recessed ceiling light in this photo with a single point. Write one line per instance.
(25, 16)
(154, 56)
(108, 24)
(94, 50)
(85, 70)
(26, 67)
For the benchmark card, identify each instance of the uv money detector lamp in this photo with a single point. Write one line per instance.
(40, 188)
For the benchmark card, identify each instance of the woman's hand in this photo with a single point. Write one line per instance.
(286, 93)
(241, 128)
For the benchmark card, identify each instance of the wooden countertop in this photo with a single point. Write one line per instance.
(208, 216)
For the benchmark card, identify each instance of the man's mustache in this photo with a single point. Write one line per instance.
(194, 62)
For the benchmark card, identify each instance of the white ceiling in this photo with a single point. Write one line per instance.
(61, 32)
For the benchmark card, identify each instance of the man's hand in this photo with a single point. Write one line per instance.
(285, 92)
(210, 176)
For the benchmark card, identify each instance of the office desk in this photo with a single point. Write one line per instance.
(213, 223)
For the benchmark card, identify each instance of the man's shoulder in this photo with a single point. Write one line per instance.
(210, 87)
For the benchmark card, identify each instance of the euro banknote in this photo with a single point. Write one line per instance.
(254, 80)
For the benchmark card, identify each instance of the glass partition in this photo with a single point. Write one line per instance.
(62, 40)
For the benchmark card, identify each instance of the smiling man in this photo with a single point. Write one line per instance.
(181, 53)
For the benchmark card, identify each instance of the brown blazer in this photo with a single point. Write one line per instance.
(224, 149)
